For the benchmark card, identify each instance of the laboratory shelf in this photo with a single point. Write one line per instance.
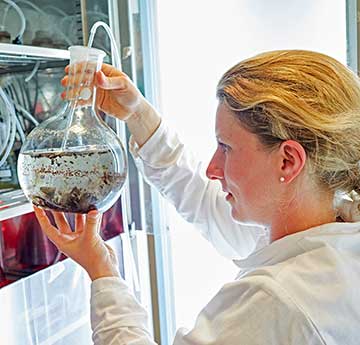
(12, 53)
(13, 204)
(20, 58)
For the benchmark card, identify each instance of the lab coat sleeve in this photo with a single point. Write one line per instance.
(252, 311)
(116, 317)
(167, 165)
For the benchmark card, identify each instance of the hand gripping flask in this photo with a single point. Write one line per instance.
(74, 162)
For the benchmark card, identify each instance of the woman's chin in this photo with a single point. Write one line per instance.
(239, 217)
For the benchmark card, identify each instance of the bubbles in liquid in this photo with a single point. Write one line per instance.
(71, 181)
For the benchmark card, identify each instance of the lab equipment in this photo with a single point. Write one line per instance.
(8, 125)
(73, 162)
(5, 37)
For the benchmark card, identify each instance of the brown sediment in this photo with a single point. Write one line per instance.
(77, 200)
(55, 154)
(38, 201)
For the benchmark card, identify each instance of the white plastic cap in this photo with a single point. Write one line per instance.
(89, 60)
(82, 53)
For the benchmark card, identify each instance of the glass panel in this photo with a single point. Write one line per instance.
(98, 11)
(41, 23)
(49, 307)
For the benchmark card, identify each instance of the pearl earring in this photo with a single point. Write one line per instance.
(282, 179)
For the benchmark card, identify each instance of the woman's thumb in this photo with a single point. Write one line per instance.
(110, 83)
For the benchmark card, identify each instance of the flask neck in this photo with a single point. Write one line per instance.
(81, 91)
(84, 63)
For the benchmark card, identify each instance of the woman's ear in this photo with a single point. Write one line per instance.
(293, 158)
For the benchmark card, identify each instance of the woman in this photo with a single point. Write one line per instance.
(287, 127)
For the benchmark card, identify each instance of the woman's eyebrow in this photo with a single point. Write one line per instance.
(221, 139)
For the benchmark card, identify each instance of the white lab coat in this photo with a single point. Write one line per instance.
(301, 289)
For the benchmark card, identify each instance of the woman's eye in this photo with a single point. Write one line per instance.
(224, 148)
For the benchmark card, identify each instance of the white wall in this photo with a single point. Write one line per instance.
(199, 40)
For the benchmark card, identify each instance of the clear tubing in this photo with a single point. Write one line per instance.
(39, 10)
(114, 48)
(7, 118)
(24, 99)
(6, 10)
(12, 128)
(33, 72)
(63, 144)
(26, 113)
(21, 15)
(20, 129)
(15, 93)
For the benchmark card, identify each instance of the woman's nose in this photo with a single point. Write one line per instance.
(214, 170)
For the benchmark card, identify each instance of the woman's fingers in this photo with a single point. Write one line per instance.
(64, 81)
(78, 80)
(45, 224)
(61, 222)
(111, 71)
(108, 70)
(79, 222)
(93, 221)
(111, 83)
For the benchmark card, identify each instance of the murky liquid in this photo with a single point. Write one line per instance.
(71, 181)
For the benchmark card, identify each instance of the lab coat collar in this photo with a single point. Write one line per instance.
(344, 236)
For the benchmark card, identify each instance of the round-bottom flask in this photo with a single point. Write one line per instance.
(73, 162)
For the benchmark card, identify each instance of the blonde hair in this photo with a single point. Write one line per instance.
(304, 96)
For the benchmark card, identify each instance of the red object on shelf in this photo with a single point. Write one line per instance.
(3, 280)
(26, 248)
(33, 248)
(112, 222)
(2, 277)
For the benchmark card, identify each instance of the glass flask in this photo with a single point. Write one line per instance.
(73, 161)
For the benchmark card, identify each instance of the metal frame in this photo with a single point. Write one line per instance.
(159, 241)
(119, 33)
(133, 200)
(352, 46)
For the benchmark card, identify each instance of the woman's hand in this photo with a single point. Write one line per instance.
(84, 245)
(116, 94)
